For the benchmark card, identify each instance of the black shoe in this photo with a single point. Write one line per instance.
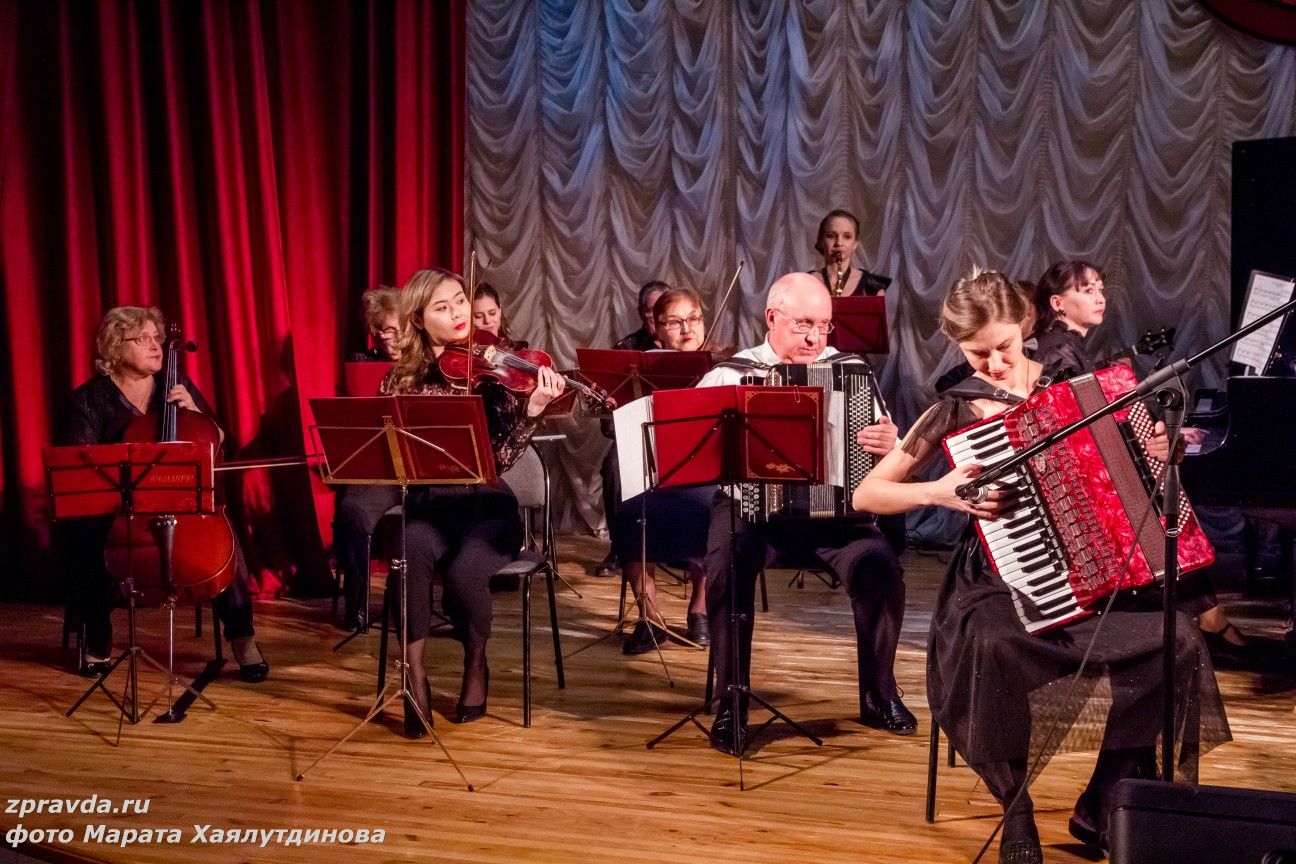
(93, 668)
(1084, 832)
(414, 728)
(1021, 852)
(699, 630)
(356, 620)
(1227, 654)
(1083, 828)
(254, 673)
(469, 713)
(890, 715)
(722, 731)
(245, 648)
(641, 639)
(609, 566)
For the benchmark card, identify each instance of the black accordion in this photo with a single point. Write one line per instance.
(855, 406)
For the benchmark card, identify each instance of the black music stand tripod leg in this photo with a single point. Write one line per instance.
(403, 691)
(736, 692)
(129, 656)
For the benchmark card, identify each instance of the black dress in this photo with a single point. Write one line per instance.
(1009, 699)
(1064, 350)
(870, 284)
(465, 533)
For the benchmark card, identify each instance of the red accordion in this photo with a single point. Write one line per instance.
(1087, 524)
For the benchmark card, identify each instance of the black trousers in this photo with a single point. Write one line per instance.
(467, 535)
(610, 474)
(94, 592)
(856, 551)
(359, 508)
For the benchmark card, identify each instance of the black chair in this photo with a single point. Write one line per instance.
(529, 480)
(933, 757)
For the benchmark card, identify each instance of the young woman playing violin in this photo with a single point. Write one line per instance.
(467, 533)
(130, 384)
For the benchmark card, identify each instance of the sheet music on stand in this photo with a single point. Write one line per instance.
(860, 325)
(679, 428)
(627, 375)
(1265, 293)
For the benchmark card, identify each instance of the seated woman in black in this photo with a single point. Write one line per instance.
(359, 508)
(467, 533)
(994, 688)
(130, 383)
(1069, 302)
(675, 519)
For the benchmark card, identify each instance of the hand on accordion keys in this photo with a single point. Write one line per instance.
(999, 498)
(1158, 446)
(878, 438)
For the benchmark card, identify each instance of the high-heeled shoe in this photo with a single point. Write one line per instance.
(469, 713)
(414, 728)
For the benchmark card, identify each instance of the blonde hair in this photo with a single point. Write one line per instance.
(116, 323)
(984, 297)
(379, 303)
(415, 346)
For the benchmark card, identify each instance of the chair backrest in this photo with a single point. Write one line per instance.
(527, 480)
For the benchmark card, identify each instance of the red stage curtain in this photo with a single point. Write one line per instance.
(249, 167)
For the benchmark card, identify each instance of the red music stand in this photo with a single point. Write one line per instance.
(629, 375)
(728, 436)
(162, 481)
(859, 325)
(363, 378)
(402, 441)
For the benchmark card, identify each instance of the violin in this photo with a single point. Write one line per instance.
(202, 552)
(485, 358)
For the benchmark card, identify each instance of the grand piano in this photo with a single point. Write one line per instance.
(1248, 459)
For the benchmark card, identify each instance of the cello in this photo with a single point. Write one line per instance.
(202, 548)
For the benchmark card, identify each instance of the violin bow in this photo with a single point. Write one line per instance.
(472, 291)
(715, 316)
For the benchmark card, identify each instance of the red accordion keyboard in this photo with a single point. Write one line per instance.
(1084, 527)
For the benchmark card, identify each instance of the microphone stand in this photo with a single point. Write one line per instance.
(1166, 385)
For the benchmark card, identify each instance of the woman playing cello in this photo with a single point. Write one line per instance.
(130, 384)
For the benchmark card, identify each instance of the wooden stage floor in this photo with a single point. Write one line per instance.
(577, 786)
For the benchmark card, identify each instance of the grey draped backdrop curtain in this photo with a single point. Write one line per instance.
(616, 142)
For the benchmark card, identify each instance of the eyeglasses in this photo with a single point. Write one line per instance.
(680, 324)
(147, 339)
(802, 326)
(386, 333)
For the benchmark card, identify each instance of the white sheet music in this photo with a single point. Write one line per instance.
(835, 434)
(1265, 293)
(627, 422)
